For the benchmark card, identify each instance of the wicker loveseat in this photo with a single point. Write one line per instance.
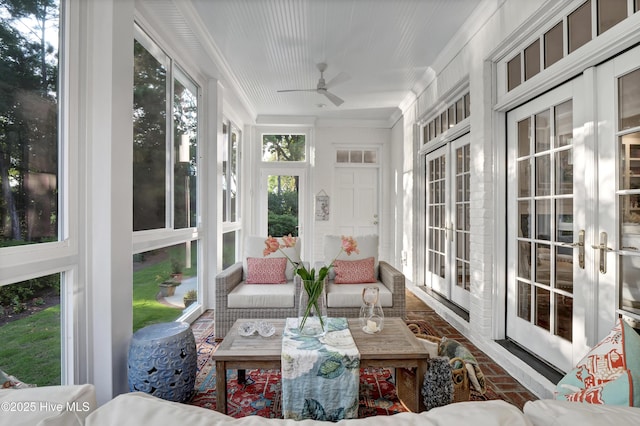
(237, 299)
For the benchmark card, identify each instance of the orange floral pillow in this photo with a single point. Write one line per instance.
(354, 271)
(269, 270)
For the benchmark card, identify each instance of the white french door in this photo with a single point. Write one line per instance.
(544, 221)
(573, 245)
(447, 198)
(616, 242)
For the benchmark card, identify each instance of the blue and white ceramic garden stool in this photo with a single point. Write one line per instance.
(162, 361)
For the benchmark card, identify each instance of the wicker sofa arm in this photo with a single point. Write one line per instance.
(393, 279)
(228, 279)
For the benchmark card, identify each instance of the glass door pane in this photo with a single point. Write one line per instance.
(629, 192)
(553, 212)
(436, 227)
(282, 202)
(462, 210)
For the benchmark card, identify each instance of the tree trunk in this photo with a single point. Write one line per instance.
(7, 194)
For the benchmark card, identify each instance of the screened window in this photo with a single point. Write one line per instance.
(149, 139)
(30, 330)
(230, 193)
(185, 129)
(230, 172)
(165, 151)
(29, 101)
(161, 280)
(165, 186)
(229, 248)
(281, 147)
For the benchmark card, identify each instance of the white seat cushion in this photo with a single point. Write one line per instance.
(262, 296)
(350, 295)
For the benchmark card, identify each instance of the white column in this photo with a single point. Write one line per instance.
(212, 183)
(106, 69)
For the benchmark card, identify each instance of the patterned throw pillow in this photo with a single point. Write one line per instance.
(266, 270)
(354, 271)
(609, 373)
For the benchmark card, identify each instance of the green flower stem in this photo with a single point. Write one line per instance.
(314, 290)
(312, 286)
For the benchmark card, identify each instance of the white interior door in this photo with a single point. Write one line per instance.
(356, 205)
(547, 283)
(447, 224)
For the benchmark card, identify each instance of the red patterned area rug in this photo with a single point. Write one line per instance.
(261, 393)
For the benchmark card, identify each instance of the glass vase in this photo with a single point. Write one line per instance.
(371, 314)
(312, 309)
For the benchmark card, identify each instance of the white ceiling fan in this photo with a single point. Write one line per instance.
(323, 86)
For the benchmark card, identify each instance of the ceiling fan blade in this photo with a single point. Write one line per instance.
(338, 79)
(297, 90)
(333, 98)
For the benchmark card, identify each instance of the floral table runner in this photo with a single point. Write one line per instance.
(320, 375)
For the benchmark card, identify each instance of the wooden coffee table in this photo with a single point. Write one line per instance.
(394, 347)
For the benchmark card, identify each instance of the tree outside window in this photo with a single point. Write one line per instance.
(28, 121)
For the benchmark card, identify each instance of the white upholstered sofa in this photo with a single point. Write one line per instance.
(235, 298)
(76, 406)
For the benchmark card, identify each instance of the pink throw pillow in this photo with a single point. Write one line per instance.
(266, 270)
(354, 271)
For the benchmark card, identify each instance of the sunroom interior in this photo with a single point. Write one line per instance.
(492, 145)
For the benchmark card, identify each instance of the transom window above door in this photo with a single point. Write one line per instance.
(283, 147)
(357, 156)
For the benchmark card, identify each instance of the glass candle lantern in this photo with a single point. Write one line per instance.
(371, 315)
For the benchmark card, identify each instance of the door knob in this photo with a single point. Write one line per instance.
(603, 252)
(580, 245)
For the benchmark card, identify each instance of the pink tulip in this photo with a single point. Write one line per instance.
(272, 246)
(289, 241)
(349, 245)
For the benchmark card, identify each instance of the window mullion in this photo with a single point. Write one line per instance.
(170, 157)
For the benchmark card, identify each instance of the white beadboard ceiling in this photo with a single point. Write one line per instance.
(385, 47)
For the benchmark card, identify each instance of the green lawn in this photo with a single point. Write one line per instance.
(146, 310)
(30, 348)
